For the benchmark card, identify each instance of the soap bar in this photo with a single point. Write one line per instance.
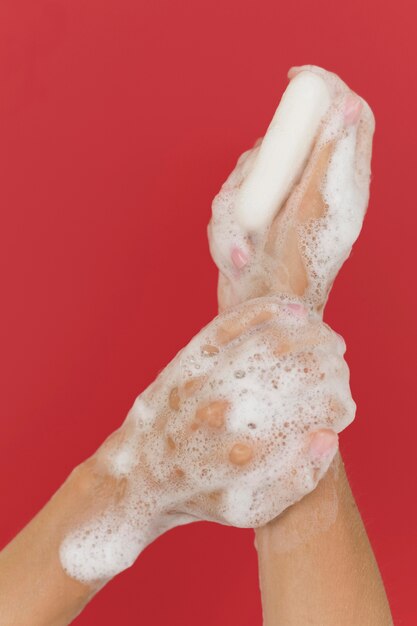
(284, 151)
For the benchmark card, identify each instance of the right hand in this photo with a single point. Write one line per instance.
(223, 434)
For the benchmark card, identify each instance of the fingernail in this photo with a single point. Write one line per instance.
(293, 71)
(322, 442)
(353, 108)
(239, 258)
(297, 309)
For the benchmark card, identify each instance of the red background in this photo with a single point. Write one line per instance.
(119, 120)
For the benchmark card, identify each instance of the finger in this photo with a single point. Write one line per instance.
(313, 235)
(235, 326)
(322, 447)
(322, 442)
(284, 239)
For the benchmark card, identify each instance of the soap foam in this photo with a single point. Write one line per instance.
(222, 434)
(325, 242)
(269, 377)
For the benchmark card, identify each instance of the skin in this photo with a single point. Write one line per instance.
(34, 588)
(294, 562)
(330, 575)
(316, 564)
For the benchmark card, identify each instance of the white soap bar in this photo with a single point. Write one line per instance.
(284, 150)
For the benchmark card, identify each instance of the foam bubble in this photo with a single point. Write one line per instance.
(230, 444)
(222, 434)
(324, 241)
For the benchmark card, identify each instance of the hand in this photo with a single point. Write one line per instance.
(285, 230)
(243, 422)
(223, 434)
(297, 248)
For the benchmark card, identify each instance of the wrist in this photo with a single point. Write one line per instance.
(114, 519)
(315, 513)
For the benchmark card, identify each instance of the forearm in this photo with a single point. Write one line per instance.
(316, 564)
(34, 589)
